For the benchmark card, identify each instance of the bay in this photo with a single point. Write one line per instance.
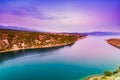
(88, 56)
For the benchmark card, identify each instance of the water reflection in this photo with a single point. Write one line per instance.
(12, 55)
(89, 56)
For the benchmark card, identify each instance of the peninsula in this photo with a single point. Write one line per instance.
(115, 42)
(14, 40)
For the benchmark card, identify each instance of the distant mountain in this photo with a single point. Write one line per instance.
(16, 28)
(98, 33)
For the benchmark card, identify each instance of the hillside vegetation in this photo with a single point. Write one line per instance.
(16, 39)
(108, 75)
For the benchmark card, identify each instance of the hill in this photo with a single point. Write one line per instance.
(11, 40)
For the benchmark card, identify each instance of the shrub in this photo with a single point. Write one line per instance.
(107, 73)
(103, 77)
(115, 72)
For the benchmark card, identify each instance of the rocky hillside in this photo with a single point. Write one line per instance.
(115, 42)
(16, 40)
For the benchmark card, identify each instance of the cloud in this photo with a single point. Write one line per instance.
(23, 8)
(72, 15)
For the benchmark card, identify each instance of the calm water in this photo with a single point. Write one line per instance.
(86, 57)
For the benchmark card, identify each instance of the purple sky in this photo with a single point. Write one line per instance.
(62, 15)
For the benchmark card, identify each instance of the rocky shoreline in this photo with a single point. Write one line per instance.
(114, 42)
(108, 75)
(41, 47)
(14, 40)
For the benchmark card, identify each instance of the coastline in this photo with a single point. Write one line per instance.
(15, 40)
(115, 75)
(41, 47)
(89, 76)
(114, 42)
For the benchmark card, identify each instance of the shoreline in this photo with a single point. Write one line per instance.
(103, 77)
(114, 42)
(41, 47)
(114, 75)
(13, 40)
(89, 76)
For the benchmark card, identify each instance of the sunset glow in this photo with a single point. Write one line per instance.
(61, 15)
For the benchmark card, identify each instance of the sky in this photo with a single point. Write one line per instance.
(62, 15)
